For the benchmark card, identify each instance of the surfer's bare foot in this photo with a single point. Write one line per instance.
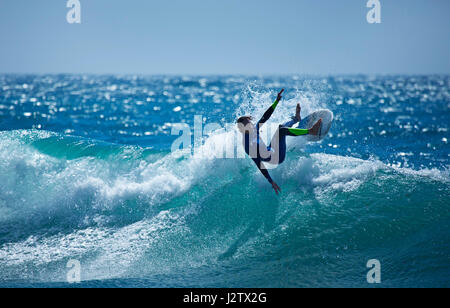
(297, 113)
(315, 129)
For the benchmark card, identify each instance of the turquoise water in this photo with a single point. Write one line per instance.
(87, 173)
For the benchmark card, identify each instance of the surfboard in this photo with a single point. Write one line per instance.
(327, 118)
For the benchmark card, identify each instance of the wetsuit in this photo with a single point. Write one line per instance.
(275, 153)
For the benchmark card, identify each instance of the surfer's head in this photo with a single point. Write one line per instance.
(244, 124)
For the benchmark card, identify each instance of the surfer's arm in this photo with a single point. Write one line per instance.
(267, 175)
(266, 116)
(263, 170)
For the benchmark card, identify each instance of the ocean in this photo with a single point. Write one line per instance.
(88, 172)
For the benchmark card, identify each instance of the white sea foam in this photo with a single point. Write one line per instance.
(90, 189)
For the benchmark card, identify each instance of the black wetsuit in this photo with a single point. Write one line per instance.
(275, 153)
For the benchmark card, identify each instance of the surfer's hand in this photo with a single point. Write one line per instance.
(279, 97)
(276, 188)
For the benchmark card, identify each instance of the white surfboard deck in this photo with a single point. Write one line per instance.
(327, 118)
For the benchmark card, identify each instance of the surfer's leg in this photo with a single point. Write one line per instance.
(294, 132)
(278, 144)
(297, 113)
(290, 123)
(282, 145)
(295, 119)
(288, 131)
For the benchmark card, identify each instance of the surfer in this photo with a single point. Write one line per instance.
(275, 153)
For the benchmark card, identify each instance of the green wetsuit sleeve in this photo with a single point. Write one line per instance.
(266, 116)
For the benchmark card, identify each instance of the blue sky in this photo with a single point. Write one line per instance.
(225, 37)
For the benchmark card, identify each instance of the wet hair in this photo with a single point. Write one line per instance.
(244, 120)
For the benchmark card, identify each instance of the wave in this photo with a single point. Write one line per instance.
(67, 197)
(129, 212)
